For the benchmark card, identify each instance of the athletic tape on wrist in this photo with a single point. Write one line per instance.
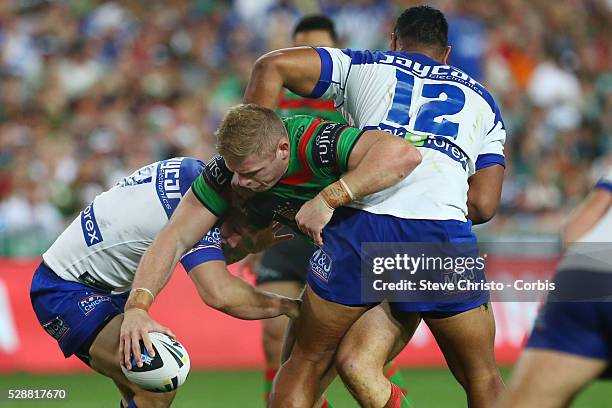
(348, 190)
(144, 290)
(136, 305)
(335, 195)
(136, 300)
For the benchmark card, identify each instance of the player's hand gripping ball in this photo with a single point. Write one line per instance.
(164, 372)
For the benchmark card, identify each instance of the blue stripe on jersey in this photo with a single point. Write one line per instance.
(441, 144)
(498, 118)
(326, 74)
(89, 225)
(208, 249)
(489, 159)
(374, 57)
(363, 57)
(448, 148)
(604, 184)
(174, 178)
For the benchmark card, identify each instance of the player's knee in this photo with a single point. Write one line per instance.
(349, 365)
(487, 381)
(154, 400)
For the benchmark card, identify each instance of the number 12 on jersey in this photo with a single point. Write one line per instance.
(445, 100)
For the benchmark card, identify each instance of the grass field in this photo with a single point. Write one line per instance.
(428, 388)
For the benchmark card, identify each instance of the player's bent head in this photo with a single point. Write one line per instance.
(422, 27)
(254, 143)
(249, 129)
(315, 30)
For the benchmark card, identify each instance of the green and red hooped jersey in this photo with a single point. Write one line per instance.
(291, 104)
(320, 152)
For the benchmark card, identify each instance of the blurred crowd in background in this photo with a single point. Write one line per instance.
(91, 90)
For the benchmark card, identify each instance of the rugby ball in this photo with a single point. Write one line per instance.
(164, 372)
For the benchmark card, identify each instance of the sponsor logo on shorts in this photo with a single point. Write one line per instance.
(88, 304)
(89, 225)
(320, 265)
(325, 144)
(56, 328)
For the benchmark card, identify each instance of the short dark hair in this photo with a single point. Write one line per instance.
(316, 22)
(422, 25)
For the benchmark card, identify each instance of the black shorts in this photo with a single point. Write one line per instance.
(287, 261)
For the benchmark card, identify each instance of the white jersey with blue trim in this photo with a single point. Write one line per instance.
(450, 117)
(103, 245)
(602, 230)
(593, 250)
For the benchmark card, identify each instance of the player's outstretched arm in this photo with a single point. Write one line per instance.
(484, 193)
(297, 69)
(378, 160)
(594, 206)
(190, 221)
(229, 294)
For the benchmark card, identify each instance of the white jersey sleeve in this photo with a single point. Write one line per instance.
(335, 67)
(593, 251)
(605, 182)
(492, 150)
(602, 230)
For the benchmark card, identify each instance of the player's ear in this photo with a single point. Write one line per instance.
(447, 52)
(393, 42)
(284, 148)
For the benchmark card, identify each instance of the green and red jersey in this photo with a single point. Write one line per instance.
(291, 104)
(320, 153)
